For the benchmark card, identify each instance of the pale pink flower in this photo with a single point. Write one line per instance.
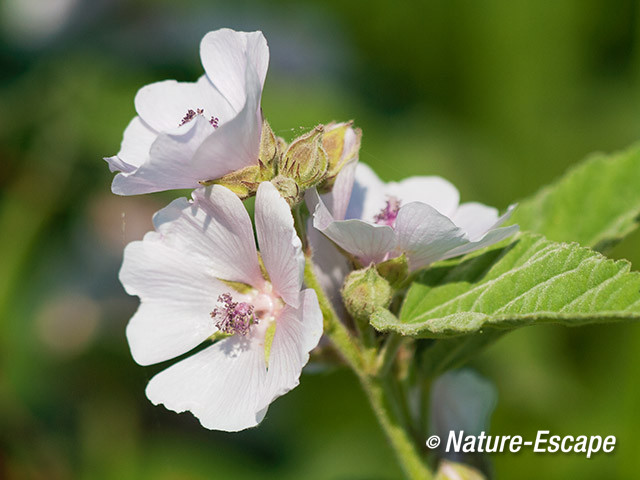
(190, 132)
(184, 274)
(420, 217)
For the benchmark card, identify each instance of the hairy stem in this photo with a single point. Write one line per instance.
(374, 381)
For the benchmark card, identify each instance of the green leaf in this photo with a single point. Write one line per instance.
(529, 281)
(595, 204)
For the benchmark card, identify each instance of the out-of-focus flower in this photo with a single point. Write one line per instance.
(419, 217)
(199, 277)
(188, 133)
(32, 23)
(67, 324)
(461, 400)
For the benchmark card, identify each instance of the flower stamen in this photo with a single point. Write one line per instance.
(191, 114)
(389, 213)
(233, 317)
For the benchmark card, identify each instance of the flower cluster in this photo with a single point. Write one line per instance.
(201, 280)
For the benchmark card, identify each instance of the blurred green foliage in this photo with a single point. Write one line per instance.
(499, 97)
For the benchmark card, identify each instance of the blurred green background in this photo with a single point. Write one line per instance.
(498, 96)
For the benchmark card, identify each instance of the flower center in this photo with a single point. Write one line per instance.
(389, 213)
(233, 317)
(191, 114)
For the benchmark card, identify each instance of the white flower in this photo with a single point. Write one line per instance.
(330, 266)
(189, 132)
(184, 272)
(419, 217)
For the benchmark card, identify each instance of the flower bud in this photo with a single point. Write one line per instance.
(342, 143)
(268, 146)
(282, 145)
(305, 161)
(364, 291)
(289, 189)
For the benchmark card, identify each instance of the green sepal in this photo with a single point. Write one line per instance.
(395, 270)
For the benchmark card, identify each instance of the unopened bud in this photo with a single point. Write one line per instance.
(282, 145)
(342, 143)
(268, 146)
(305, 161)
(288, 189)
(364, 291)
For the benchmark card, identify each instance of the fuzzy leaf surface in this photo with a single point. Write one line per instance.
(530, 280)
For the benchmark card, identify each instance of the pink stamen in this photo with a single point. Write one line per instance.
(389, 213)
(233, 317)
(191, 114)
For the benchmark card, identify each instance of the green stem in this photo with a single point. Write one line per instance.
(388, 353)
(375, 385)
(388, 414)
(299, 222)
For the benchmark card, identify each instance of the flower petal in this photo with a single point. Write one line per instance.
(425, 235)
(341, 193)
(368, 242)
(280, 246)
(370, 194)
(331, 267)
(219, 228)
(298, 331)
(367, 194)
(163, 105)
(222, 385)
(227, 54)
(434, 191)
(491, 237)
(134, 149)
(236, 143)
(177, 295)
(169, 165)
(475, 219)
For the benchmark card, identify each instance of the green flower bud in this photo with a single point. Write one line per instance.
(342, 143)
(364, 291)
(289, 190)
(305, 161)
(282, 145)
(268, 146)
